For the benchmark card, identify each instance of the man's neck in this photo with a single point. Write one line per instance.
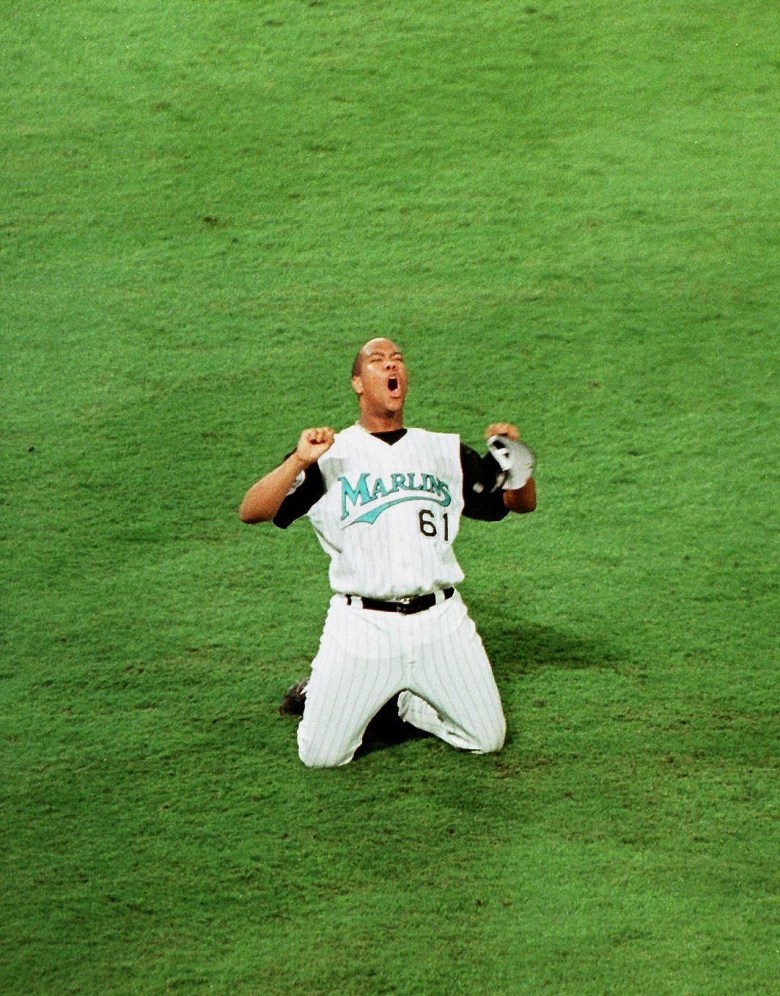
(379, 423)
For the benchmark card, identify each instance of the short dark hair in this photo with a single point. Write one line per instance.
(357, 363)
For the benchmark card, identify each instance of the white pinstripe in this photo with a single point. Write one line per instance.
(388, 519)
(434, 658)
(390, 557)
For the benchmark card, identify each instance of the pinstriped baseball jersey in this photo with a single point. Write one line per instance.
(389, 514)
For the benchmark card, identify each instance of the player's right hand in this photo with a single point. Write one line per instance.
(313, 443)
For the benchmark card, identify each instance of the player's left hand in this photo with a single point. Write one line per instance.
(502, 429)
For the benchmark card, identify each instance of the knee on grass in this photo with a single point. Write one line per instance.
(493, 740)
(315, 755)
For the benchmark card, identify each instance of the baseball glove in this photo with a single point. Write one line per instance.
(515, 460)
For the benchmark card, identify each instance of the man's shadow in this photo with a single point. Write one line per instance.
(529, 647)
(512, 652)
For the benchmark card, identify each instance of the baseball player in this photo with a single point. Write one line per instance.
(385, 502)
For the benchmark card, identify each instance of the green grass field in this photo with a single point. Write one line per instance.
(567, 214)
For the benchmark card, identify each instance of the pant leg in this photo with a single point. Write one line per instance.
(356, 670)
(451, 691)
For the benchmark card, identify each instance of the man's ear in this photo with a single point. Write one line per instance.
(357, 385)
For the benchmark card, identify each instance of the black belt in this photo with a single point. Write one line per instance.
(406, 606)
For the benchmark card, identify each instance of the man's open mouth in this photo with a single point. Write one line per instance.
(392, 384)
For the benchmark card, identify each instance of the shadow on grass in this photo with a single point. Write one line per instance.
(526, 648)
(387, 729)
(513, 651)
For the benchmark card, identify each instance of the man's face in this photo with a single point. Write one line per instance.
(382, 382)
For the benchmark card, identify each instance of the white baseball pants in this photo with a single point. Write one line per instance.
(434, 658)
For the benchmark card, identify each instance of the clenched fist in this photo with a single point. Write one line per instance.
(502, 429)
(313, 443)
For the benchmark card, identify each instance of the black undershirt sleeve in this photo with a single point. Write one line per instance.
(479, 480)
(305, 496)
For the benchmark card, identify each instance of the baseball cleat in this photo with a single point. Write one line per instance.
(294, 700)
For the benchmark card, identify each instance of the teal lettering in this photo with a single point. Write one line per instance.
(442, 490)
(367, 491)
(380, 491)
(358, 494)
